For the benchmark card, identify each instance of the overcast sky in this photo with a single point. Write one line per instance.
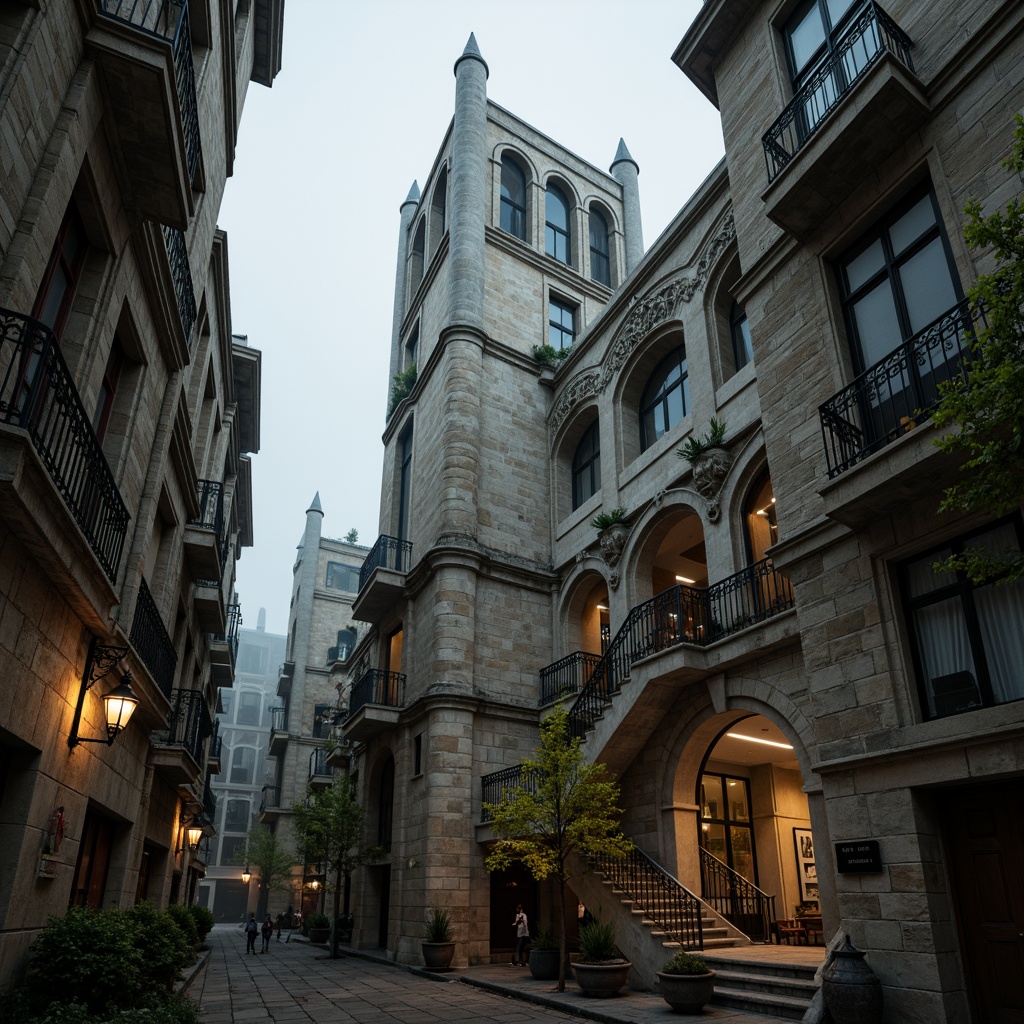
(326, 157)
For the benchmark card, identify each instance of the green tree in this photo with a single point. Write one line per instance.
(329, 828)
(570, 809)
(352, 537)
(986, 405)
(269, 858)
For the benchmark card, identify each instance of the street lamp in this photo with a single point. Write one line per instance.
(246, 875)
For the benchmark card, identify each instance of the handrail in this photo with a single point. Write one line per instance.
(151, 640)
(386, 553)
(38, 393)
(662, 898)
(898, 392)
(736, 898)
(377, 686)
(189, 723)
(676, 616)
(565, 676)
(870, 35)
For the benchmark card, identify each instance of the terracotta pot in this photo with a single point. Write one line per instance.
(437, 956)
(687, 993)
(602, 981)
(544, 964)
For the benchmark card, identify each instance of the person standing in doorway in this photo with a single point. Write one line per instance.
(251, 931)
(522, 927)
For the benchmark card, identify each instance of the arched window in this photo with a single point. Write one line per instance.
(513, 198)
(556, 227)
(666, 398)
(759, 523)
(600, 264)
(586, 466)
(418, 247)
(742, 350)
(439, 211)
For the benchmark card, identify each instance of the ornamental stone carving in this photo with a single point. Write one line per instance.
(709, 470)
(613, 540)
(579, 389)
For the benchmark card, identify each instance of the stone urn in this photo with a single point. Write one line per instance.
(437, 956)
(319, 935)
(602, 981)
(852, 991)
(687, 993)
(544, 964)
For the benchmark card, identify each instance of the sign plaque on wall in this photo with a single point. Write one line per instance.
(861, 856)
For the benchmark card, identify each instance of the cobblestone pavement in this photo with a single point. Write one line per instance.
(297, 982)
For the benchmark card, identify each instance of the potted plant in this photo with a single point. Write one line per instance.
(319, 928)
(707, 456)
(544, 955)
(438, 940)
(687, 983)
(600, 969)
(611, 533)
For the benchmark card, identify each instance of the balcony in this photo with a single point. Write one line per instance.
(887, 402)
(374, 705)
(181, 276)
(565, 677)
(278, 731)
(224, 648)
(144, 51)
(284, 680)
(321, 774)
(382, 577)
(852, 114)
(214, 751)
(270, 803)
(499, 786)
(209, 802)
(180, 759)
(205, 546)
(152, 642)
(38, 394)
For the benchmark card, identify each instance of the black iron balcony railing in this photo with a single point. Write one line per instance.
(216, 742)
(871, 34)
(181, 273)
(899, 392)
(318, 766)
(738, 900)
(566, 676)
(168, 20)
(189, 723)
(270, 798)
(681, 615)
(230, 634)
(375, 686)
(387, 553)
(209, 802)
(500, 785)
(38, 394)
(211, 507)
(152, 642)
(278, 721)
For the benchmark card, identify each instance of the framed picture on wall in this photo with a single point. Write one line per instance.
(806, 868)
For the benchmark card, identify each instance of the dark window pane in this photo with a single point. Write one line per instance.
(860, 268)
(918, 220)
(878, 326)
(928, 291)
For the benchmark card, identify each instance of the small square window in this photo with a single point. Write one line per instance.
(342, 577)
(561, 324)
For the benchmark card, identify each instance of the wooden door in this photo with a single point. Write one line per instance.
(984, 836)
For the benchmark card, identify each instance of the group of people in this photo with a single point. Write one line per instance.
(268, 928)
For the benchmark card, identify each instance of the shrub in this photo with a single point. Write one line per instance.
(164, 946)
(686, 963)
(401, 386)
(605, 519)
(545, 940)
(696, 446)
(439, 926)
(548, 355)
(597, 943)
(319, 921)
(186, 923)
(203, 918)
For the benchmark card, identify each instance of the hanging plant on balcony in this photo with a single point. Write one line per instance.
(401, 387)
(709, 459)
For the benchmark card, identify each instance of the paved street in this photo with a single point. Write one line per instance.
(296, 982)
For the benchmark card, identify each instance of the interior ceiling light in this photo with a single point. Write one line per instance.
(685, 579)
(757, 739)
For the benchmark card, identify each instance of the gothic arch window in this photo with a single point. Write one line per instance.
(600, 256)
(666, 397)
(439, 211)
(513, 198)
(418, 253)
(586, 466)
(556, 225)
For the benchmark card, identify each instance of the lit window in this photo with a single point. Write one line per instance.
(586, 466)
(556, 227)
(666, 398)
(513, 198)
(561, 325)
(600, 264)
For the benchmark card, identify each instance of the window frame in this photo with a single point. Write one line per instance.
(71, 229)
(587, 467)
(555, 233)
(742, 345)
(649, 403)
(557, 329)
(508, 204)
(600, 258)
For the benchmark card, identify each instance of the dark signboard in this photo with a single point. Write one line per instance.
(862, 855)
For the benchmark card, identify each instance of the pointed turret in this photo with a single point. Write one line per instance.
(472, 50)
(625, 171)
(314, 505)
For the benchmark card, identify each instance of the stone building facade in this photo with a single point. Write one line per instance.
(795, 705)
(128, 414)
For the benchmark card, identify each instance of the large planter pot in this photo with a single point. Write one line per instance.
(852, 991)
(687, 993)
(319, 935)
(602, 981)
(544, 964)
(437, 956)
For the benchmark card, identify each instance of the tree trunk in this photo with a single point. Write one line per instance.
(334, 924)
(561, 941)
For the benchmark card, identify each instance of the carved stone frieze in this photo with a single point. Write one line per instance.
(709, 470)
(579, 389)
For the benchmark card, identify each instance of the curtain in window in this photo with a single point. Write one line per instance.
(1001, 615)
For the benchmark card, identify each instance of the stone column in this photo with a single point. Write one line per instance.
(625, 171)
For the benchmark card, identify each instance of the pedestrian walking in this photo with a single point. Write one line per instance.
(251, 931)
(266, 931)
(522, 927)
(277, 927)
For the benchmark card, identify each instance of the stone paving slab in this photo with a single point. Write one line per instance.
(296, 983)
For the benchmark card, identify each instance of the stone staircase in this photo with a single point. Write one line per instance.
(769, 986)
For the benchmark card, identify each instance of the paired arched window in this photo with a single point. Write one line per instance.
(600, 261)
(666, 398)
(586, 466)
(513, 198)
(556, 225)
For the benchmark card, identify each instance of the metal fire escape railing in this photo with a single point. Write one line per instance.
(736, 898)
(152, 642)
(676, 616)
(663, 899)
(189, 723)
(871, 34)
(566, 676)
(900, 391)
(168, 20)
(376, 686)
(37, 393)
(386, 553)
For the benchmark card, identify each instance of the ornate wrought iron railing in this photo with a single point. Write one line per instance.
(152, 642)
(37, 393)
(681, 615)
(270, 798)
(230, 634)
(189, 723)
(499, 785)
(216, 742)
(896, 394)
(181, 273)
(211, 507)
(736, 898)
(278, 721)
(209, 802)
(168, 20)
(871, 34)
(662, 898)
(376, 686)
(566, 676)
(386, 553)
(318, 766)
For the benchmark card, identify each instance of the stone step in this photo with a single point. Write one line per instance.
(778, 985)
(750, 1001)
(764, 968)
